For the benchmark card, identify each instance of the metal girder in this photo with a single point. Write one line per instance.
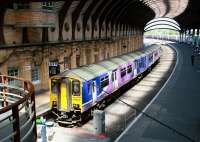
(88, 12)
(137, 7)
(101, 17)
(116, 11)
(190, 17)
(61, 16)
(162, 29)
(2, 14)
(186, 12)
(75, 16)
(173, 27)
(167, 8)
(161, 20)
(98, 11)
(106, 12)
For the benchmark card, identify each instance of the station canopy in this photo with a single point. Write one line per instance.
(162, 23)
(167, 8)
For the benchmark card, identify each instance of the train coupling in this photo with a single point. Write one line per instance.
(70, 119)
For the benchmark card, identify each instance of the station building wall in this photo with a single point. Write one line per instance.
(37, 63)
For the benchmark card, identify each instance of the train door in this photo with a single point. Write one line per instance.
(94, 91)
(114, 79)
(65, 95)
(136, 69)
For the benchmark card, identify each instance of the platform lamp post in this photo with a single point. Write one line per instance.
(185, 35)
(198, 40)
(189, 35)
(194, 37)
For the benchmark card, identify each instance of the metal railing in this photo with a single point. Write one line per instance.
(17, 110)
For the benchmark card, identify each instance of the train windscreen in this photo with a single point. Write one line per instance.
(76, 87)
(55, 86)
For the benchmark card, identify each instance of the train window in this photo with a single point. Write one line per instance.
(55, 86)
(90, 87)
(129, 69)
(93, 86)
(123, 72)
(140, 64)
(114, 77)
(76, 87)
(136, 65)
(104, 81)
(156, 54)
(150, 57)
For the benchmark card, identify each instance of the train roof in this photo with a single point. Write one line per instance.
(81, 73)
(147, 50)
(117, 60)
(127, 58)
(109, 65)
(133, 55)
(88, 72)
(96, 69)
(139, 53)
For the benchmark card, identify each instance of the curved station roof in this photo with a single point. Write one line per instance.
(135, 12)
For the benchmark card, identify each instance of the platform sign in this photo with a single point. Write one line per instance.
(27, 67)
(54, 68)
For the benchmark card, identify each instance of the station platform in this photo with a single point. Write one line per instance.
(118, 115)
(42, 101)
(173, 115)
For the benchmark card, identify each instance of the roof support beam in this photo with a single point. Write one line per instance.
(75, 16)
(62, 15)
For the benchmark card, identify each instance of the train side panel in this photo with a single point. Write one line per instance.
(87, 98)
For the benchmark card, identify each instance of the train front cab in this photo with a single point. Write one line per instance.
(65, 96)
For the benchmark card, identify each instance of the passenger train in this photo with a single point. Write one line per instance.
(75, 92)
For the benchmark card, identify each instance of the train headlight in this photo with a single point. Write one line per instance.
(54, 104)
(76, 106)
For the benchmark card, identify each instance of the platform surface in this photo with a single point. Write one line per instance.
(177, 106)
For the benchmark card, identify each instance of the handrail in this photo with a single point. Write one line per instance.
(15, 98)
(31, 91)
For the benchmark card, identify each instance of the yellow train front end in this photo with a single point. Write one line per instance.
(66, 99)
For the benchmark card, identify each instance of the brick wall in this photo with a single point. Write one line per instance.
(30, 18)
